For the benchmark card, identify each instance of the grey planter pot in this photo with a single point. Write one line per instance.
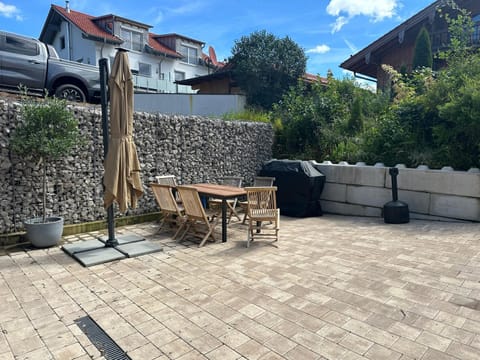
(44, 234)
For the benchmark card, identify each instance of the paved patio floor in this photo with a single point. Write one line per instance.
(334, 288)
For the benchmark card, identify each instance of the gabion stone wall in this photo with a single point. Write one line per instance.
(195, 149)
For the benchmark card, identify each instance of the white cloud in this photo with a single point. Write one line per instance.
(159, 18)
(9, 11)
(188, 8)
(339, 22)
(345, 10)
(319, 49)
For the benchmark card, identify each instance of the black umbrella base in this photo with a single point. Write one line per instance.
(396, 212)
(95, 252)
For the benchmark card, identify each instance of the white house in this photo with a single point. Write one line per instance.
(155, 60)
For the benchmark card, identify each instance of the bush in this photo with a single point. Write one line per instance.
(427, 118)
(325, 121)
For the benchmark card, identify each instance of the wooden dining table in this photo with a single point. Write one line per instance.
(223, 192)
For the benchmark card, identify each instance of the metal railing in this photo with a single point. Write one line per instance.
(151, 85)
(441, 39)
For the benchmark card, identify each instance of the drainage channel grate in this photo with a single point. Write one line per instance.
(104, 343)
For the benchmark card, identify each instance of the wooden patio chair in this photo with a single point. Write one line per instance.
(196, 220)
(262, 207)
(172, 213)
(169, 180)
(216, 204)
(166, 180)
(257, 181)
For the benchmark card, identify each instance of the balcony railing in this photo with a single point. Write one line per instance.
(441, 39)
(151, 85)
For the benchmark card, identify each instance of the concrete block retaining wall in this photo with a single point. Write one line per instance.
(195, 149)
(430, 194)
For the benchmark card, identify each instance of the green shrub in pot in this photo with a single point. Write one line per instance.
(47, 132)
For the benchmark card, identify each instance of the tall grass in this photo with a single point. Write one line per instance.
(248, 115)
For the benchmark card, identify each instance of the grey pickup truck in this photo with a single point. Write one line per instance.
(29, 63)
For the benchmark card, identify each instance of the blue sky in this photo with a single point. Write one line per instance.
(328, 30)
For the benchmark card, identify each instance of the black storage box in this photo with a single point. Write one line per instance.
(299, 186)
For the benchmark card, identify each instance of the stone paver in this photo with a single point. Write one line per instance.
(333, 287)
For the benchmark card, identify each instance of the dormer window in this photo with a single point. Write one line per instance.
(190, 54)
(132, 39)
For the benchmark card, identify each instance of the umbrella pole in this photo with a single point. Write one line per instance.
(111, 241)
(99, 251)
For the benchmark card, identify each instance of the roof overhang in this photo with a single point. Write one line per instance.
(365, 61)
(50, 27)
(151, 50)
(175, 35)
(205, 78)
(101, 39)
(124, 20)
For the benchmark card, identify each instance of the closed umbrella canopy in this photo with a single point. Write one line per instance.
(122, 168)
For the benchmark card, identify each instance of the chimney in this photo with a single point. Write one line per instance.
(67, 6)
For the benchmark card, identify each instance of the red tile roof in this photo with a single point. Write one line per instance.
(155, 45)
(85, 23)
(314, 78)
(207, 59)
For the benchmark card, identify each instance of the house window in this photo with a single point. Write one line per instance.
(144, 69)
(179, 75)
(62, 42)
(190, 54)
(132, 39)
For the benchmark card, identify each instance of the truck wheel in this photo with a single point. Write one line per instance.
(70, 92)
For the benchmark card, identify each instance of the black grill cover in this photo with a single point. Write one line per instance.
(299, 186)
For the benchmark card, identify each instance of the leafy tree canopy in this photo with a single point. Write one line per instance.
(48, 132)
(265, 66)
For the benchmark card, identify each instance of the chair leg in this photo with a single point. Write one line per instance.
(162, 223)
(188, 226)
(277, 225)
(232, 212)
(160, 226)
(251, 232)
(244, 217)
(182, 225)
(209, 233)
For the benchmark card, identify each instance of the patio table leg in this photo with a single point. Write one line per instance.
(224, 220)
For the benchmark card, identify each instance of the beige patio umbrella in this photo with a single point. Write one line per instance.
(122, 168)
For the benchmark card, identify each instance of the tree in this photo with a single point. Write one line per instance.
(265, 66)
(422, 54)
(460, 29)
(49, 132)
